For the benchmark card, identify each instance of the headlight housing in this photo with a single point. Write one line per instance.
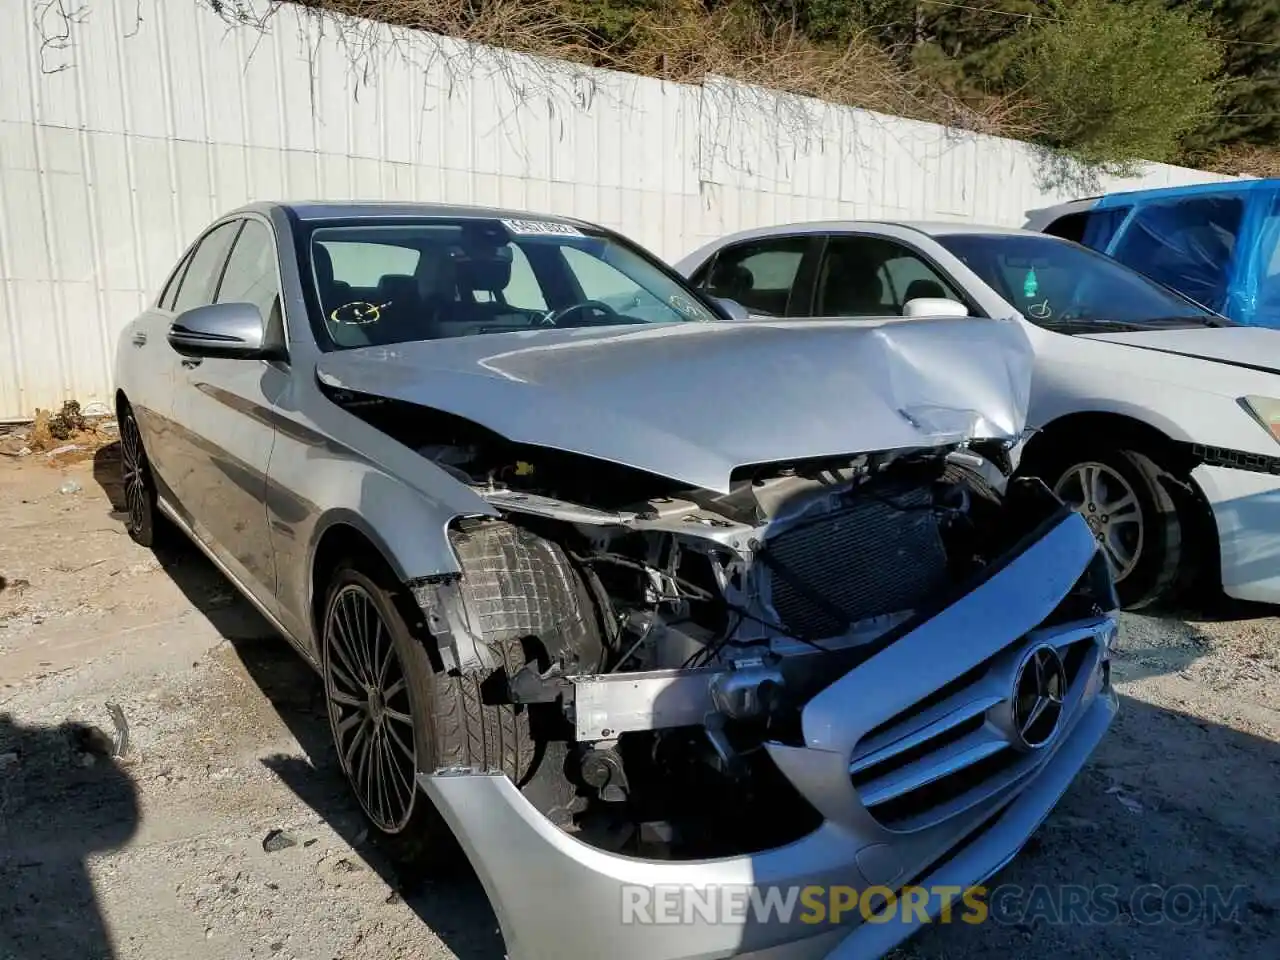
(1266, 410)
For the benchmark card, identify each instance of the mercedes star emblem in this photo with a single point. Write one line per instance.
(1038, 692)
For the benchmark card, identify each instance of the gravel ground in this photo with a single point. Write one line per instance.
(162, 853)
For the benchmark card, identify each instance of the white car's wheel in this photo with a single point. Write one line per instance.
(1122, 496)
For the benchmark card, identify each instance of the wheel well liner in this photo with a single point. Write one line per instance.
(338, 541)
(1077, 429)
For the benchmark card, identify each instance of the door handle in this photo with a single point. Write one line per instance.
(191, 363)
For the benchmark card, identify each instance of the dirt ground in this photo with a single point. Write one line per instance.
(162, 854)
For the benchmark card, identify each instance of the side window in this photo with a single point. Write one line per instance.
(1091, 228)
(201, 278)
(1070, 227)
(364, 264)
(1186, 244)
(171, 285)
(872, 276)
(1267, 264)
(760, 275)
(598, 280)
(523, 290)
(1102, 226)
(602, 281)
(250, 276)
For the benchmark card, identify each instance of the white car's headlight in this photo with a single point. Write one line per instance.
(1266, 410)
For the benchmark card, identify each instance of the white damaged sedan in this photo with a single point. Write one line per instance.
(1156, 418)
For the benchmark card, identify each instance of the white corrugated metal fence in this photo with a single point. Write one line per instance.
(124, 129)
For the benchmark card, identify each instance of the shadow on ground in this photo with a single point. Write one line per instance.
(457, 910)
(62, 800)
(1170, 828)
(1168, 800)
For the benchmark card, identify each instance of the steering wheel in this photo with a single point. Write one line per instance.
(358, 313)
(597, 308)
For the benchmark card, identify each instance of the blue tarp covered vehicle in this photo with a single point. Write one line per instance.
(1218, 243)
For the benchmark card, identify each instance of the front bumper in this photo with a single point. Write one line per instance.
(932, 703)
(1246, 511)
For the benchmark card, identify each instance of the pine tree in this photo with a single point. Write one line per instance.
(1250, 109)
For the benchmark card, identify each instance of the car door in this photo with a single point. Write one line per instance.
(147, 369)
(770, 276)
(222, 407)
(863, 275)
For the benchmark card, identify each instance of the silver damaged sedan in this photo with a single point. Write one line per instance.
(655, 614)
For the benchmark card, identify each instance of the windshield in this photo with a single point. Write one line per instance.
(1066, 287)
(436, 278)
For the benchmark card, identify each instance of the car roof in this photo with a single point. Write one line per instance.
(933, 228)
(374, 209)
(1118, 197)
(942, 228)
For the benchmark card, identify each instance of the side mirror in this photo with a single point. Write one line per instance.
(934, 307)
(733, 308)
(229, 330)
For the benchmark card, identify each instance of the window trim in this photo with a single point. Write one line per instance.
(174, 281)
(191, 254)
(226, 261)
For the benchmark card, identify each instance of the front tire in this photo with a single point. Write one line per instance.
(392, 714)
(1124, 497)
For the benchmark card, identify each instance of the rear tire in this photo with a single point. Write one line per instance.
(515, 590)
(142, 517)
(1125, 496)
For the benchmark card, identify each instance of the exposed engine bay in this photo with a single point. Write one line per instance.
(720, 615)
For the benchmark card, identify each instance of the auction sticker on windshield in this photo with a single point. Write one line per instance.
(540, 228)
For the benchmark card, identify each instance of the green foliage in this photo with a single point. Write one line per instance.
(1119, 81)
(609, 22)
(1108, 81)
(1250, 109)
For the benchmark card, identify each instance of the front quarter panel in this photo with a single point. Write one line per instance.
(1187, 399)
(144, 370)
(329, 468)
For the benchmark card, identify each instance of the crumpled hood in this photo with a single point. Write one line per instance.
(693, 401)
(1256, 348)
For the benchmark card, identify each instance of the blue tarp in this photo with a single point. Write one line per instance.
(1216, 243)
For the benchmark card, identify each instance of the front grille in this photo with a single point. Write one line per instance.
(870, 556)
(953, 749)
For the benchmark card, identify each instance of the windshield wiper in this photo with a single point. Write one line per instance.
(1076, 325)
(1089, 325)
(1206, 320)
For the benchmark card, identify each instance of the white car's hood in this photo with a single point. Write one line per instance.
(1255, 348)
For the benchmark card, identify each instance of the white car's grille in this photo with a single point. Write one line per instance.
(960, 746)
